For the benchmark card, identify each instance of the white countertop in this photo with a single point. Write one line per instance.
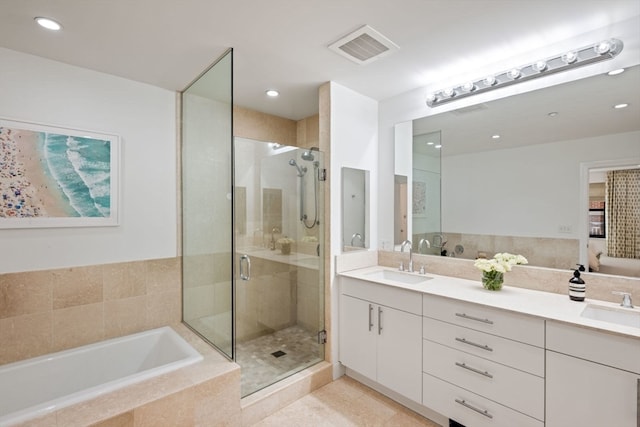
(535, 303)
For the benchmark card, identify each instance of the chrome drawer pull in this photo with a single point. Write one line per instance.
(379, 320)
(473, 408)
(370, 317)
(477, 371)
(477, 319)
(484, 347)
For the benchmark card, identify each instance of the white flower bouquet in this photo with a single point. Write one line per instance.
(493, 269)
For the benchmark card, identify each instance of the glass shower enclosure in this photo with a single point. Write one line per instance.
(252, 234)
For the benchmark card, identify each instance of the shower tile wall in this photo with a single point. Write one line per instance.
(51, 310)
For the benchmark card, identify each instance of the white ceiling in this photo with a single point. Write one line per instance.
(282, 44)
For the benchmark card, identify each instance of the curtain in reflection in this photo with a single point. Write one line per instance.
(623, 213)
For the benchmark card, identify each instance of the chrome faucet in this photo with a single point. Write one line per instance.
(405, 243)
(425, 242)
(272, 243)
(358, 235)
(626, 299)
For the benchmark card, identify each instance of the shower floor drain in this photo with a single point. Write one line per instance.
(278, 353)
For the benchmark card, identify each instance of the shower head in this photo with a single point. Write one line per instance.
(301, 170)
(308, 156)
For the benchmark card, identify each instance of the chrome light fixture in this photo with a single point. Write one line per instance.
(568, 60)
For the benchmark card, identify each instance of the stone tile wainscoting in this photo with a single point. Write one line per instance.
(51, 310)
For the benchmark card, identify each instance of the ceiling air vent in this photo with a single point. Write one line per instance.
(364, 45)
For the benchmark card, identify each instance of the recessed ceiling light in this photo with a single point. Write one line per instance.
(553, 114)
(619, 106)
(48, 23)
(616, 72)
(272, 93)
(496, 136)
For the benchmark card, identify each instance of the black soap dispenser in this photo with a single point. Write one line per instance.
(577, 288)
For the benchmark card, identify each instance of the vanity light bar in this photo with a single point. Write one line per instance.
(591, 54)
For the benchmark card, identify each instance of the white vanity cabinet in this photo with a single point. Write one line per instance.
(482, 366)
(593, 378)
(380, 335)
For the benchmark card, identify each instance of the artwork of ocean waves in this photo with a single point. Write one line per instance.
(81, 168)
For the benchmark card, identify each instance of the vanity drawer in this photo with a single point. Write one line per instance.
(518, 327)
(468, 408)
(390, 296)
(521, 356)
(622, 352)
(513, 388)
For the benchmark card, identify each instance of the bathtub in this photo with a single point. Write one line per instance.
(44, 384)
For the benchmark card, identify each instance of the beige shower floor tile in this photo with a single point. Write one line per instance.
(345, 402)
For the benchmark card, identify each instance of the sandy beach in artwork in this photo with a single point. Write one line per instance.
(24, 188)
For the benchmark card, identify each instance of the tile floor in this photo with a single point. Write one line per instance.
(261, 368)
(345, 403)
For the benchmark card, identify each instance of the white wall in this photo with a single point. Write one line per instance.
(34, 89)
(500, 199)
(354, 144)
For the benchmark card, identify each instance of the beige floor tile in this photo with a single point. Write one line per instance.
(345, 403)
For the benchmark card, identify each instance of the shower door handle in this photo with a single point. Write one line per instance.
(245, 260)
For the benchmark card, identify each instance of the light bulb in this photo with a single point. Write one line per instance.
(272, 93)
(431, 97)
(513, 74)
(489, 80)
(569, 57)
(619, 106)
(468, 87)
(539, 66)
(448, 92)
(602, 47)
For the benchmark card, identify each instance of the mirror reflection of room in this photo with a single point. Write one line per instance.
(354, 209)
(614, 215)
(511, 173)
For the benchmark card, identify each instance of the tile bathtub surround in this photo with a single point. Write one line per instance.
(206, 393)
(52, 310)
(599, 287)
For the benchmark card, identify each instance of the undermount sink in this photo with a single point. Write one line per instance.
(398, 276)
(620, 316)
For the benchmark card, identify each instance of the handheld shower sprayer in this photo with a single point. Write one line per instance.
(301, 170)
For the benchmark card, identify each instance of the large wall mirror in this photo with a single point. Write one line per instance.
(516, 171)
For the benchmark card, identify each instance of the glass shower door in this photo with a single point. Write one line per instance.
(280, 284)
(207, 210)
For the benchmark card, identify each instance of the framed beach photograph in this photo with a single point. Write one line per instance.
(57, 177)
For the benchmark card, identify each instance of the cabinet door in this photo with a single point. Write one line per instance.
(358, 332)
(400, 352)
(587, 394)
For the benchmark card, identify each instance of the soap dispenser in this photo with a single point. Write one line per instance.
(577, 288)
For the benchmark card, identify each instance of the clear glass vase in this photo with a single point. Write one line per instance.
(492, 280)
